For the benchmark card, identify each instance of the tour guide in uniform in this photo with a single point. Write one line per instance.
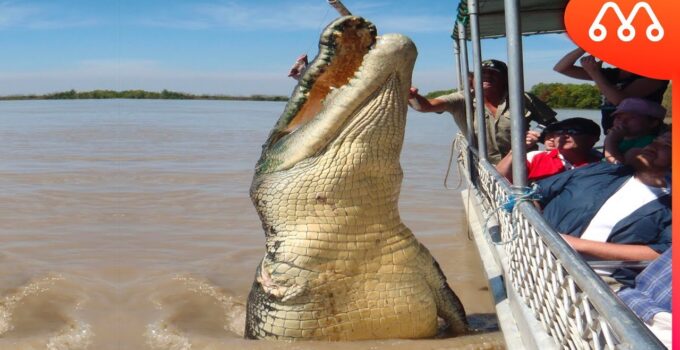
(496, 111)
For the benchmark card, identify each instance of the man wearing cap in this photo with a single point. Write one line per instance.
(497, 112)
(636, 122)
(575, 142)
(611, 211)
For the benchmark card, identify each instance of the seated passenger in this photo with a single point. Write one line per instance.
(549, 137)
(650, 297)
(575, 141)
(636, 123)
(496, 108)
(614, 212)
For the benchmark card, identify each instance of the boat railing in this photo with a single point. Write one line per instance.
(576, 308)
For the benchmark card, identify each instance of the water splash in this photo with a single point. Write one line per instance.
(189, 307)
(23, 311)
(160, 335)
(73, 337)
(10, 302)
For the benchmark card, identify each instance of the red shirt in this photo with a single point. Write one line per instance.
(548, 163)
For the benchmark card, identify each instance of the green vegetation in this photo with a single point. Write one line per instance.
(139, 94)
(556, 95)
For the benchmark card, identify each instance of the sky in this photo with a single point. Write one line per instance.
(237, 47)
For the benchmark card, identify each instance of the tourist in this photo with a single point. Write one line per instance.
(614, 212)
(615, 84)
(575, 141)
(636, 123)
(549, 137)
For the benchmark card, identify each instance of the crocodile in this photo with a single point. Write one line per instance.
(339, 262)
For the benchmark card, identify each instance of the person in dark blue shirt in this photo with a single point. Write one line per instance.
(614, 212)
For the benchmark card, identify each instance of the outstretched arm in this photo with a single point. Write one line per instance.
(611, 251)
(422, 104)
(567, 65)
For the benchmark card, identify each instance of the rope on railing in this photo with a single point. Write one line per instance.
(454, 145)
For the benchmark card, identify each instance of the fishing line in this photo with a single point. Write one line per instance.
(321, 25)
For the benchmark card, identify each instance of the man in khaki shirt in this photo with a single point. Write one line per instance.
(496, 111)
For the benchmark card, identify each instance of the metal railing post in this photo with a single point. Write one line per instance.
(513, 34)
(466, 87)
(469, 121)
(468, 117)
(473, 12)
(456, 54)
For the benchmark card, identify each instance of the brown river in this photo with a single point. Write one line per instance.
(127, 225)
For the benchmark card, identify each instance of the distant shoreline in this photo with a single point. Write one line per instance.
(556, 95)
(138, 95)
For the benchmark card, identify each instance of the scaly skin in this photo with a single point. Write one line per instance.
(339, 263)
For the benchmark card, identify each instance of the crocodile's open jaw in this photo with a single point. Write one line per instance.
(353, 62)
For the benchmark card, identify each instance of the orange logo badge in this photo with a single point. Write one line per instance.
(637, 36)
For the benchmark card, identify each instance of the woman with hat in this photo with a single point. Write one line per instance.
(637, 122)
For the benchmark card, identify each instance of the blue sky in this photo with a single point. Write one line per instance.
(233, 47)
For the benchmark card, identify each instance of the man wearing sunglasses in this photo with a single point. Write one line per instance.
(614, 212)
(575, 138)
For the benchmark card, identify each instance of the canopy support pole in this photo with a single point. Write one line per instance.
(463, 68)
(470, 134)
(516, 93)
(473, 12)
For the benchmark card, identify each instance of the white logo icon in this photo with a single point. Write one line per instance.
(626, 31)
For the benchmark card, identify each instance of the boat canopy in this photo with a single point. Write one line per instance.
(537, 17)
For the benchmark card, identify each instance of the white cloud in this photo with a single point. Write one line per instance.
(15, 15)
(281, 17)
(292, 16)
(12, 14)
